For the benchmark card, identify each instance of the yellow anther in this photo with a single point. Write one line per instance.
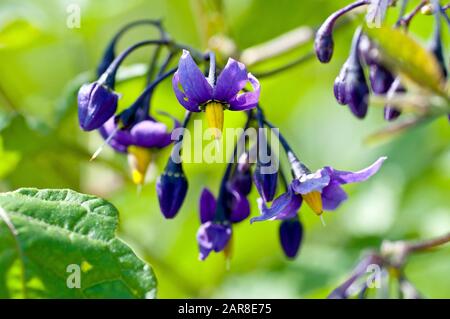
(214, 117)
(139, 159)
(314, 200)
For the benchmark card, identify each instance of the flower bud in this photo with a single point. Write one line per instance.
(96, 104)
(390, 112)
(380, 79)
(323, 44)
(266, 184)
(213, 237)
(291, 234)
(171, 188)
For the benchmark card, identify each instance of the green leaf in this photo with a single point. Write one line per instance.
(407, 57)
(18, 33)
(48, 237)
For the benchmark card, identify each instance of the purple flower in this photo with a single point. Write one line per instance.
(291, 234)
(171, 188)
(322, 189)
(284, 206)
(138, 141)
(213, 236)
(266, 183)
(196, 93)
(96, 104)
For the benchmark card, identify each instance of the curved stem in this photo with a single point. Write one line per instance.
(406, 20)
(308, 56)
(428, 244)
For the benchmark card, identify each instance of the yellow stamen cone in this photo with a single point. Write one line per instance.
(139, 159)
(214, 117)
(228, 251)
(314, 200)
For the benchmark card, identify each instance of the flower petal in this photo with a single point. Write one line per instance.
(195, 86)
(284, 206)
(186, 102)
(150, 133)
(207, 206)
(311, 182)
(344, 177)
(212, 237)
(231, 80)
(247, 100)
(121, 139)
(332, 196)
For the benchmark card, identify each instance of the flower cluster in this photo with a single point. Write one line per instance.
(351, 87)
(136, 131)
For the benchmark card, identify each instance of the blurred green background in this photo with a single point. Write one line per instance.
(42, 146)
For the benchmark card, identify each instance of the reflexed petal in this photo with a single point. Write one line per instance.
(231, 80)
(343, 177)
(247, 100)
(311, 182)
(150, 133)
(240, 207)
(291, 233)
(121, 139)
(283, 207)
(332, 196)
(184, 100)
(207, 206)
(195, 86)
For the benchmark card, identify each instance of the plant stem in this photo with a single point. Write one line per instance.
(427, 244)
(406, 20)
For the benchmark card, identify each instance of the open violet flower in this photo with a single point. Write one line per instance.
(197, 93)
(320, 190)
(214, 233)
(138, 141)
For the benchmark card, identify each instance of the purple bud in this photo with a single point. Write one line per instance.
(96, 104)
(323, 43)
(208, 206)
(171, 188)
(239, 207)
(241, 181)
(291, 234)
(380, 79)
(266, 184)
(350, 86)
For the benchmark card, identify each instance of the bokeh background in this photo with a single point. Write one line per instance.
(42, 61)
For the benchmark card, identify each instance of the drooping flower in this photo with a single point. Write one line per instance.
(214, 233)
(171, 188)
(96, 104)
(291, 234)
(139, 140)
(196, 93)
(322, 189)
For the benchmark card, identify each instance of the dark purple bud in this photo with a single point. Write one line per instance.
(241, 181)
(208, 206)
(339, 86)
(171, 188)
(96, 104)
(380, 79)
(323, 43)
(351, 86)
(266, 183)
(291, 234)
(239, 207)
